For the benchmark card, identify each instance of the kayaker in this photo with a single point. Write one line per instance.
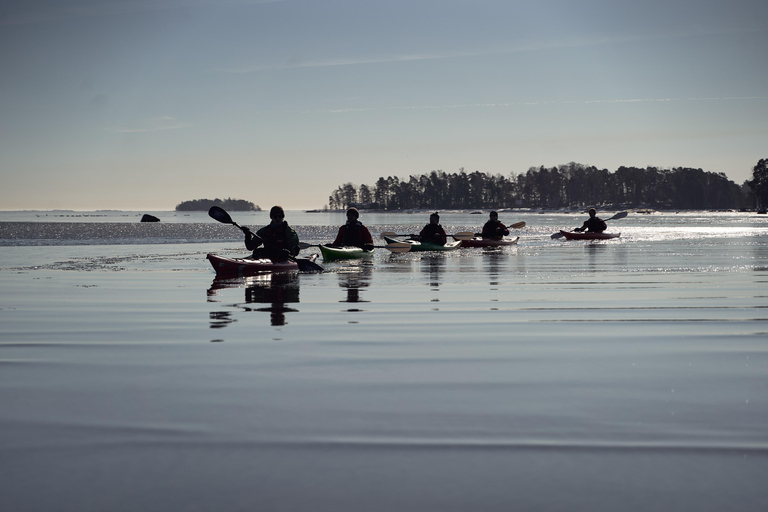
(493, 228)
(280, 240)
(353, 233)
(593, 224)
(433, 232)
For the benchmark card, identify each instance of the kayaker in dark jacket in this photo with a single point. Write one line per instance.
(593, 224)
(353, 233)
(433, 232)
(280, 240)
(493, 228)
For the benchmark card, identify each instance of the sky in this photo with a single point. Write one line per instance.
(143, 104)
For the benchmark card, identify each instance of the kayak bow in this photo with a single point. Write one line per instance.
(571, 235)
(344, 252)
(489, 242)
(426, 246)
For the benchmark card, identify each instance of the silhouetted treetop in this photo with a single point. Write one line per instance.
(571, 185)
(759, 183)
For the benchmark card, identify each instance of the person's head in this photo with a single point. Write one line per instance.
(352, 214)
(434, 218)
(592, 212)
(494, 216)
(277, 214)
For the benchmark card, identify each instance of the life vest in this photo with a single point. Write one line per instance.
(275, 236)
(433, 233)
(353, 234)
(494, 229)
(596, 225)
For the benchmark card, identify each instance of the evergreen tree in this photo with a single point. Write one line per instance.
(759, 182)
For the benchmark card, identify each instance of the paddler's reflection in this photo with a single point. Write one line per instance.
(593, 252)
(275, 289)
(220, 319)
(492, 261)
(353, 280)
(435, 265)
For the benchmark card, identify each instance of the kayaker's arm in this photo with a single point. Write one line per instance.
(583, 227)
(252, 241)
(293, 242)
(366, 237)
(339, 241)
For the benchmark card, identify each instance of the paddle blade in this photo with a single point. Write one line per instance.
(398, 247)
(220, 215)
(308, 265)
(389, 234)
(619, 215)
(556, 235)
(463, 235)
(518, 225)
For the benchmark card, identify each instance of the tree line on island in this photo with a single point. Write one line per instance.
(566, 186)
(228, 204)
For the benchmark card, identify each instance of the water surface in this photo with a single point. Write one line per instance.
(629, 374)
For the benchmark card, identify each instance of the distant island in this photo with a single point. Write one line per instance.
(238, 205)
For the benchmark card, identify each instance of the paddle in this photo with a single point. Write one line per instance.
(221, 215)
(394, 247)
(462, 235)
(619, 215)
(392, 233)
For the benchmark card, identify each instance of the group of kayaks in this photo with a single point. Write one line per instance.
(467, 239)
(226, 267)
(247, 266)
(416, 245)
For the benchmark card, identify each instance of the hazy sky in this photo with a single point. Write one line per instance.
(142, 104)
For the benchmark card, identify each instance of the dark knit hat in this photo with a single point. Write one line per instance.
(276, 213)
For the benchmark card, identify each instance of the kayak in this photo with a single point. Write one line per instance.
(571, 235)
(426, 246)
(248, 266)
(343, 252)
(489, 242)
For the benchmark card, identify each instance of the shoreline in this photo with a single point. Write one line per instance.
(476, 211)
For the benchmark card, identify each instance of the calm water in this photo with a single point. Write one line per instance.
(630, 374)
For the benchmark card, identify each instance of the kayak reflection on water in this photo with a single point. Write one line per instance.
(275, 289)
(353, 281)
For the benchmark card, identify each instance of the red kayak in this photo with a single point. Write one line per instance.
(248, 266)
(572, 235)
